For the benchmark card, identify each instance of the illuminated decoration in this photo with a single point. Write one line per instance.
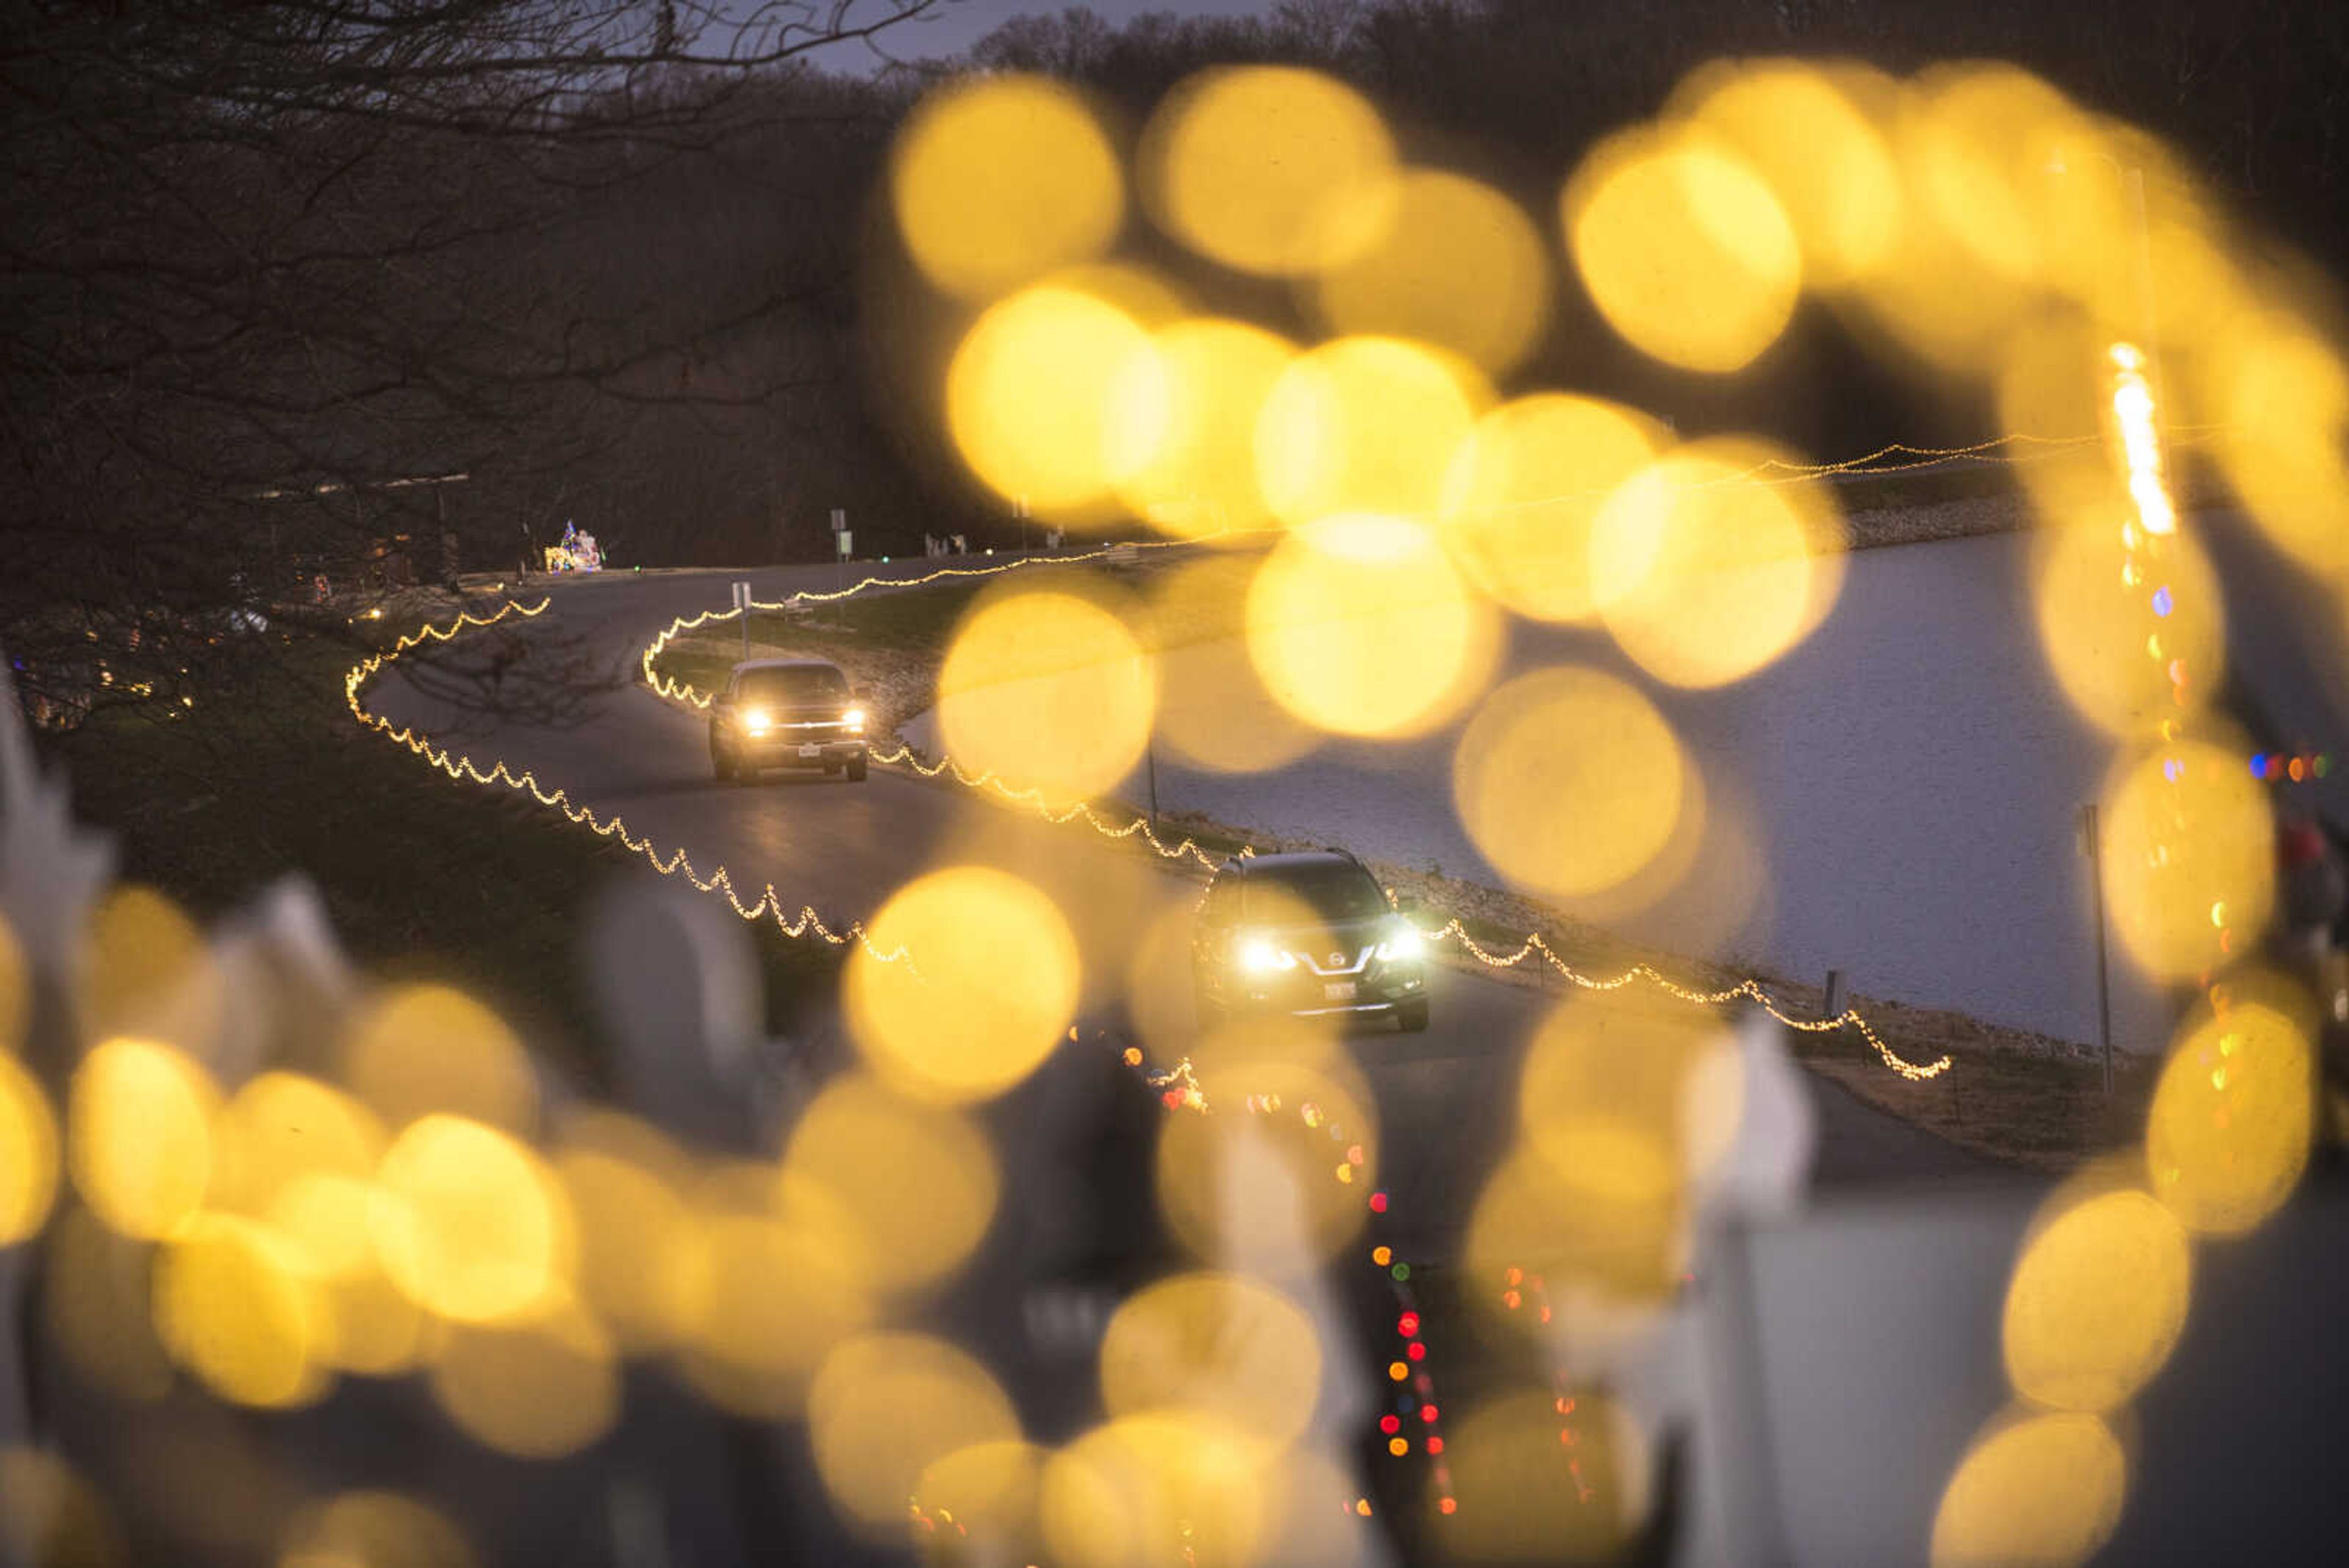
(1438, 227)
(1414, 1394)
(577, 553)
(2100, 1294)
(1269, 170)
(1684, 248)
(2141, 443)
(768, 905)
(2276, 767)
(1000, 181)
(1453, 931)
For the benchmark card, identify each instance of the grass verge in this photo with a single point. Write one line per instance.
(422, 876)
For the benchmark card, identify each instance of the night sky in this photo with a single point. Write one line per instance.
(955, 27)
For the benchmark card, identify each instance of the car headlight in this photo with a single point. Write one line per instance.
(1260, 957)
(1403, 942)
(756, 722)
(852, 720)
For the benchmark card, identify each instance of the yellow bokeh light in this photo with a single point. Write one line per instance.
(373, 1530)
(2056, 381)
(1704, 574)
(1568, 781)
(631, 1222)
(1213, 711)
(1683, 247)
(371, 1328)
(1207, 1162)
(2233, 1116)
(139, 1140)
(2044, 1491)
(2187, 831)
(1455, 264)
(1000, 180)
(1364, 424)
(468, 1222)
(325, 1218)
(990, 1490)
(1521, 495)
(2096, 1301)
(1360, 625)
(282, 1126)
(145, 969)
(51, 1516)
(423, 1048)
(886, 1407)
(1601, 1108)
(1518, 1500)
(1052, 393)
(16, 983)
(2282, 395)
(1118, 1495)
(1190, 411)
(996, 985)
(916, 1182)
(1268, 169)
(762, 1299)
(2095, 616)
(1798, 126)
(1991, 145)
(234, 1307)
(1048, 690)
(1220, 1346)
(97, 1306)
(536, 1389)
(28, 1153)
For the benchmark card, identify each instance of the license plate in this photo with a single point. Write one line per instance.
(1339, 991)
(811, 751)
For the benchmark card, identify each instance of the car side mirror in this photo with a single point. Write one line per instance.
(860, 694)
(1407, 904)
(723, 699)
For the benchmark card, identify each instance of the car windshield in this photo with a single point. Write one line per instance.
(793, 686)
(1333, 891)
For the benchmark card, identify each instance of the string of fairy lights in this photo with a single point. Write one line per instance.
(2148, 536)
(1140, 826)
(1412, 1411)
(770, 904)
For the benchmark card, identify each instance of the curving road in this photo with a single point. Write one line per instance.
(1445, 1097)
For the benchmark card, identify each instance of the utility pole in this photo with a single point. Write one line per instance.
(2092, 845)
(841, 540)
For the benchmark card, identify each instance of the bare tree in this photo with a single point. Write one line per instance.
(266, 257)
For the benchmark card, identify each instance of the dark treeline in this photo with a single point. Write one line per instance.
(618, 277)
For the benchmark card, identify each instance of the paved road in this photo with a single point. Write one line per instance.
(1445, 1097)
(1894, 798)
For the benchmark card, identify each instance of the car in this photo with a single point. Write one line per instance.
(1310, 934)
(786, 714)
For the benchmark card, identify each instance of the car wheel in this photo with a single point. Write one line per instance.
(1412, 1015)
(856, 768)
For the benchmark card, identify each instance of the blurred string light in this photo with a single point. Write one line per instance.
(1269, 170)
(1453, 930)
(1684, 249)
(1000, 181)
(769, 905)
(2100, 1291)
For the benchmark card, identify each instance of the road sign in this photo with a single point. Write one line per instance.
(840, 519)
(844, 537)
